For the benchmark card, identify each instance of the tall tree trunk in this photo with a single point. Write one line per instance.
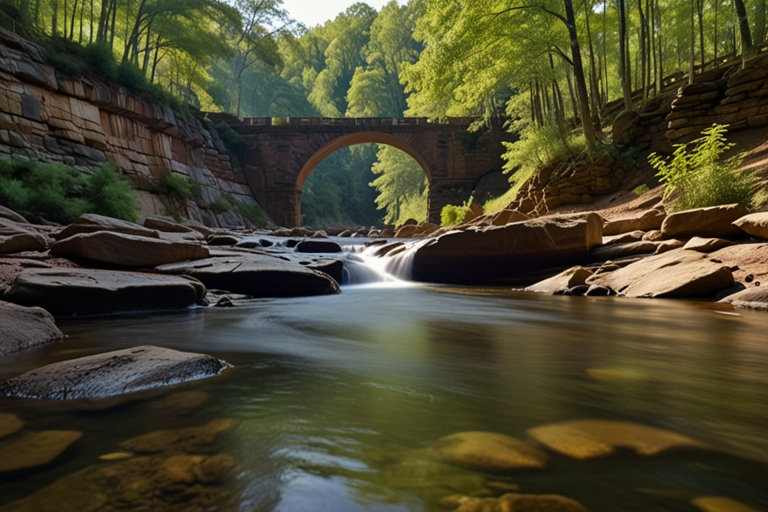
(605, 52)
(716, 36)
(691, 62)
(643, 54)
(700, 11)
(626, 86)
(593, 87)
(90, 33)
(746, 38)
(579, 78)
(760, 7)
(55, 19)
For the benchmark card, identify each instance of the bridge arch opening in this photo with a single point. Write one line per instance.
(393, 153)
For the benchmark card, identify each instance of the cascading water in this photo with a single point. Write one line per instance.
(389, 262)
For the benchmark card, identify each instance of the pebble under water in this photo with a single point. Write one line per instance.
(336, 403)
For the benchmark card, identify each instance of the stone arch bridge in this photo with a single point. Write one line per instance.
(278, 158)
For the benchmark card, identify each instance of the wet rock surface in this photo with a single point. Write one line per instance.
(256, 275)
(490, 452)
(65, 292)
(23, 328)
(755, 297)
(9, 424)
(514, 503)
(127, 250)
(587, 439)
(111, 374)
(568, 279)
(33, 449)
(720, 504)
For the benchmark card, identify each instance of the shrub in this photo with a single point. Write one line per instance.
(100, 60)
(452, 214)
(111, 196)
(175, 186)
(64, 65)
(231, 140)
(700, 177)
(642, 189)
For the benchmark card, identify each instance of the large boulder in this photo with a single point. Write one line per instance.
(24, 328)
(257, 275)
(751, 298)
(677, 273)
(65, 291)
(575, 276)
(9, 214)
(127, 250)
(19, 237)
(507, 253)
(648, 221)
(711, 222)
(317, 246)
(755, 224)
(113, 373)
(91, 222)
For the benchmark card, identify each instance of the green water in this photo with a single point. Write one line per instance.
(338, 399)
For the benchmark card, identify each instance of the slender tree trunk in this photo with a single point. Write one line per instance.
(112, 28)
(760, 13)
(716, 36)
(623, 60)
(605, 52)
(55, 19)
(90, 32)
(643, 54)
(72, 23)
(593, 77)
(746, 37)
(700, 11)
(692, 63)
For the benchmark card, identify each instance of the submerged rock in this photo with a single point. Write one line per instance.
(34, 449)
(711, 222)
(127, 250)
(587, 439)
(490, 452)
(23, 328)
(9, 424)
(179, 440)
(111, 374)
(514, 503)
(676, 273)
(65, 292)
(257, 275)
(318, 246)
(720, 504)
(508, 253)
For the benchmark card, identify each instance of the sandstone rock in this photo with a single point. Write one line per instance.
(748, 261)
(587, 439)
(191, 236)
(19, 237)
(714, 221)
(318, 246)
(490, 452)
(425, 228)
(755, 224)
(257, 275)
(508, 252)
(91, 222)
(179, 440)
(623, 125)
(632, 236)
(650, 220)
(405, 231)
(126, 250)
(668, 245)
(654, 235)
(113, 373)
(572, 277)
(673, 274)
(516, 503)
(109, 457)
(9, 214)
(24, 328)
(751, 298)
(183, 402)
(504, 217)
(9, 424)
(34, 449)
(89, 292)
(166, 225)
(706, 244)
(720, 504)
(609, 252)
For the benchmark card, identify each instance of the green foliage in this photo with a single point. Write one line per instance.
(61, 193)
(642, 189)
(452, 215)
(62, 62)
(176, 186)
(231, 140)
(402, 186)
(701, 177)
(251, 211)
(499, 203)
(99, 60)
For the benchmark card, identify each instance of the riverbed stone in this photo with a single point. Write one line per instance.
(33, 449)
(648, 221)
(755, 224)
(166, 225)
(67, 291)
(710, 222)
(23, 328)
(567, 279)
(625, 238)
(9, 424)
(257, 275)
(706, 244)
(720, 504)
(317, 246)
(508, 253)
(113, 373)
(127, 250)
(490, 452)
(179, 440)
(755, 297)
(616, 251)
(513, 502)
(676, 273)
(668, 245)
(19, 237)
(9, 214)
(587, 439)
(91, 222)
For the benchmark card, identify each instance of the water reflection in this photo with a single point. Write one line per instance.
(339, 400)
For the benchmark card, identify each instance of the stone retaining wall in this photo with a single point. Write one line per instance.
(87, 123)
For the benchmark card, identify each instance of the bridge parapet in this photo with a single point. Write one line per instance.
(352, 121)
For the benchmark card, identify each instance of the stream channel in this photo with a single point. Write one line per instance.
(336, 400)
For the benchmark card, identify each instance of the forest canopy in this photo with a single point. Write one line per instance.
(546, 64)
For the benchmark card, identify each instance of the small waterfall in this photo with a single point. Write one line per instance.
(381, 263)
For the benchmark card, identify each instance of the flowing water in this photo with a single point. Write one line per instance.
(337, 400)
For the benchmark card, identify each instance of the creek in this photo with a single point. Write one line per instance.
(337, 399)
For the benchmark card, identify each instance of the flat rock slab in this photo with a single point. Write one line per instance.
(127, 250)
(65, 292)
(711, 222)
(648, 221)
(9, 424)
(112, 374)
(706, 244)
(751, 298)
(507, 253)
(11, 215)
(91, 222)
(587, 439)
(755, 224)
(568, 279)
(34, 449)
(750, 258)
(490, 452)
(257, 275)
(166, 225)
(614, 251)
(676, 273)
(20, 237)
(22, 328)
